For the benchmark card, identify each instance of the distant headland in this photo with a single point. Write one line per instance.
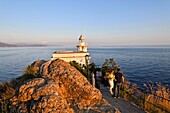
(20, 45)
(6, 45)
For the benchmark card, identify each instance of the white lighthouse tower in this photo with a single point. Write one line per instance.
(81, 55)
(81, 46)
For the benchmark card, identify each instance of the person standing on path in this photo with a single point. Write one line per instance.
(93, 79)
(111, 78)
(98, 79)
(119, 79)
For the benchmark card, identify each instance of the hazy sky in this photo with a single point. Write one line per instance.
(101, 22)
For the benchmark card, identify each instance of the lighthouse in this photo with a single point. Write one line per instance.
(81, 46)
(80, 56)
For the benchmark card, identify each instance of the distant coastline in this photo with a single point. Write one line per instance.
(6, 45)
(21, 45)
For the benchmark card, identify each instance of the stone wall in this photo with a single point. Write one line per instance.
(71, 56)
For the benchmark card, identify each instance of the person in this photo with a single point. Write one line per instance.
(106, 83)
(98, 79)
(111, 78)
(119, 79)
(98, 76)
(93, 79)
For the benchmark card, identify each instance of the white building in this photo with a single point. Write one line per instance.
(81, 55)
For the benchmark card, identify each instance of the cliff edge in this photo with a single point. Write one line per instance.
(58, 88)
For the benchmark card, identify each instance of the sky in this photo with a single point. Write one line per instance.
(101, 22)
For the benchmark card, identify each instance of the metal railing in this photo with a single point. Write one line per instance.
(148, 105)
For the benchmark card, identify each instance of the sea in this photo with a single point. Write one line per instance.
(139, 64)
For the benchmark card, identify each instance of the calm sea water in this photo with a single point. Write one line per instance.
(138, 64)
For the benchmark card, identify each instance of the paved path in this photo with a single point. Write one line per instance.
(121, 104)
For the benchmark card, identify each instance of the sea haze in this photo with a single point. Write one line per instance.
(140, 65)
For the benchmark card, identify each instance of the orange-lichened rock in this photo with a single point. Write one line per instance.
(59, 88)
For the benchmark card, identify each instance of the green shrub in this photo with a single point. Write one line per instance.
(81, 68)
(6, 92)
(29, 73)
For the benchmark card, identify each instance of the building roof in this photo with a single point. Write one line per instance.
(67, 52)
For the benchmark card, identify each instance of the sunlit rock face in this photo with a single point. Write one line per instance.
(59, 88)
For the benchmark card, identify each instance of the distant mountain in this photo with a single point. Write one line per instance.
(7, 45)
(29, 45)
(20, 45)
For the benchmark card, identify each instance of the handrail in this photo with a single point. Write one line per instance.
(145, 101)
(157, 96)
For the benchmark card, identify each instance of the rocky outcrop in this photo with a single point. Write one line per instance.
(58, 88)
